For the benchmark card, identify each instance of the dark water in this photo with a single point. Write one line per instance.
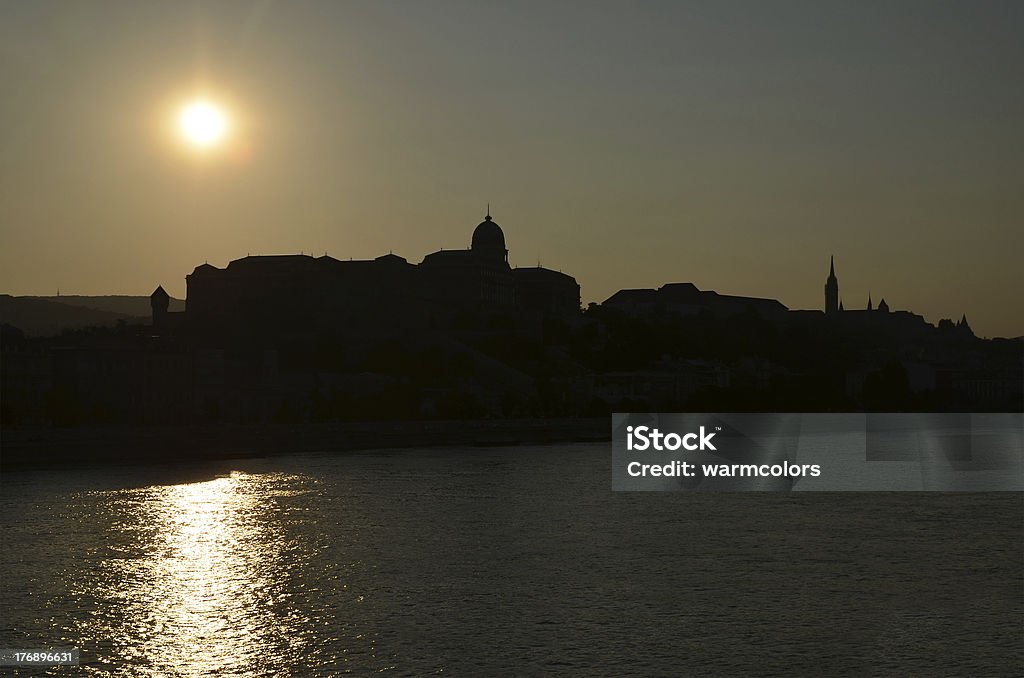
(516, 561)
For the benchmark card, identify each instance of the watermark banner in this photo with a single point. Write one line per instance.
(959, 452)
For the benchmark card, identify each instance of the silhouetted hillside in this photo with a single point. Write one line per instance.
(124, 305)
(44, 316)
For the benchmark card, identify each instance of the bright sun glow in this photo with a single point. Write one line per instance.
(203, 124)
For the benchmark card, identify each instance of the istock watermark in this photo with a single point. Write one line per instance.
(653, 438)
(818, 452)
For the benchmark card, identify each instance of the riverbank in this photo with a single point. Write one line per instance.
(22, 448)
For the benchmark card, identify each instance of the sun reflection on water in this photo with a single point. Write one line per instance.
(196, 579)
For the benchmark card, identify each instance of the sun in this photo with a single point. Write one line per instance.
(203, 124)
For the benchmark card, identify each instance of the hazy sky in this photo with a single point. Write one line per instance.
(734, 145)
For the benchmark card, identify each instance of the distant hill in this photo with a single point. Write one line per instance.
(46, 316)
(126, 306)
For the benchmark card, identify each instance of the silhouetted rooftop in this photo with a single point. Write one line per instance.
(391, 257)
(687, 295)
(540, 272)
(276, 260)
(448, 255)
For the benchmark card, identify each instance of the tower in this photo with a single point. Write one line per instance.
(159, 301)
(831, 289)
(963, 327)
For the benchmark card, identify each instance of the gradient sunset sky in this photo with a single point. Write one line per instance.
(735, 145)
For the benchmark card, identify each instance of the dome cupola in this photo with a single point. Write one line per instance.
(489, 240)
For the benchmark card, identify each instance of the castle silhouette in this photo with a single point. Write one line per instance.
(301, 291)
(293, 295)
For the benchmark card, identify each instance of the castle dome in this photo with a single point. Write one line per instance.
(488, 235)
(489, 240)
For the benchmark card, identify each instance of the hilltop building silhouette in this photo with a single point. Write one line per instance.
(301, 291)
(881, 318)
(481, 275)
(478, 274)
(163, 318)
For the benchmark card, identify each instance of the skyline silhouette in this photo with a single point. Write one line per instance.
(461, 335)
(833, 301)
(733, 145)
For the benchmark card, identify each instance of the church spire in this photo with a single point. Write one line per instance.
(831, 288)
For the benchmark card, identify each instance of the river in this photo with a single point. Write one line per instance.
(499, 561)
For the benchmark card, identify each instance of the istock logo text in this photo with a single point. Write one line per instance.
(647, 438)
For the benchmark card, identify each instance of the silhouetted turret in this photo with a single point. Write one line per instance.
(159, 302)
(963, 328)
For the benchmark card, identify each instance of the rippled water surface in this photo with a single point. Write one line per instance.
(514, 561)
